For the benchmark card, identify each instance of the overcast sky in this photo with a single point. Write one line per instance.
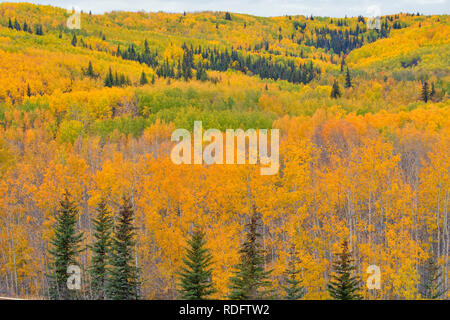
(262, 7)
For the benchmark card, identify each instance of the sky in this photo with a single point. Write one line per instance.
(266, 8)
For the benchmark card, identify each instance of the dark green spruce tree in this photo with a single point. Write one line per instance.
(201, 73)
(348, 79)
(196, 275)
(432, 287)
(425, 95)
(186, 64)
(143, 79)
(335, 90)
(344, 285)
(342, 63)
(109, 79)
(17, 25)
(250, 280)
(39, 30)
(90, 70)
(64, 249)
(74, 40)
(123, 281)
(101, 248)
(293, 288)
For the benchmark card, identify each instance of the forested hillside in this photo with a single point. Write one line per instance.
(364, 123)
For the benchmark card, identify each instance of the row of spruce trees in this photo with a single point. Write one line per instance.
(115, 79)
(250, 280)
(114, 273)
(213, 59)
(222, 60)
(426, 93)
(25, 27)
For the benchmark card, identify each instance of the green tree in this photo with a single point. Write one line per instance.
(123, 282)
(64, 249)
(425, 95)
(16, 25)
(109, 79)
(201, 73)
(100, 251)
(186, 64)
(143, 79)
(344, 285)
(90, 70)
(227, 16)
(116, 79)
(146, 47)
(348, 79)
(39, 30)
(250, 280)
(335, 90)
(433, 91)
(74, 40)
(432, 287)
(293, 289)
(342, 63)
(196, 274)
